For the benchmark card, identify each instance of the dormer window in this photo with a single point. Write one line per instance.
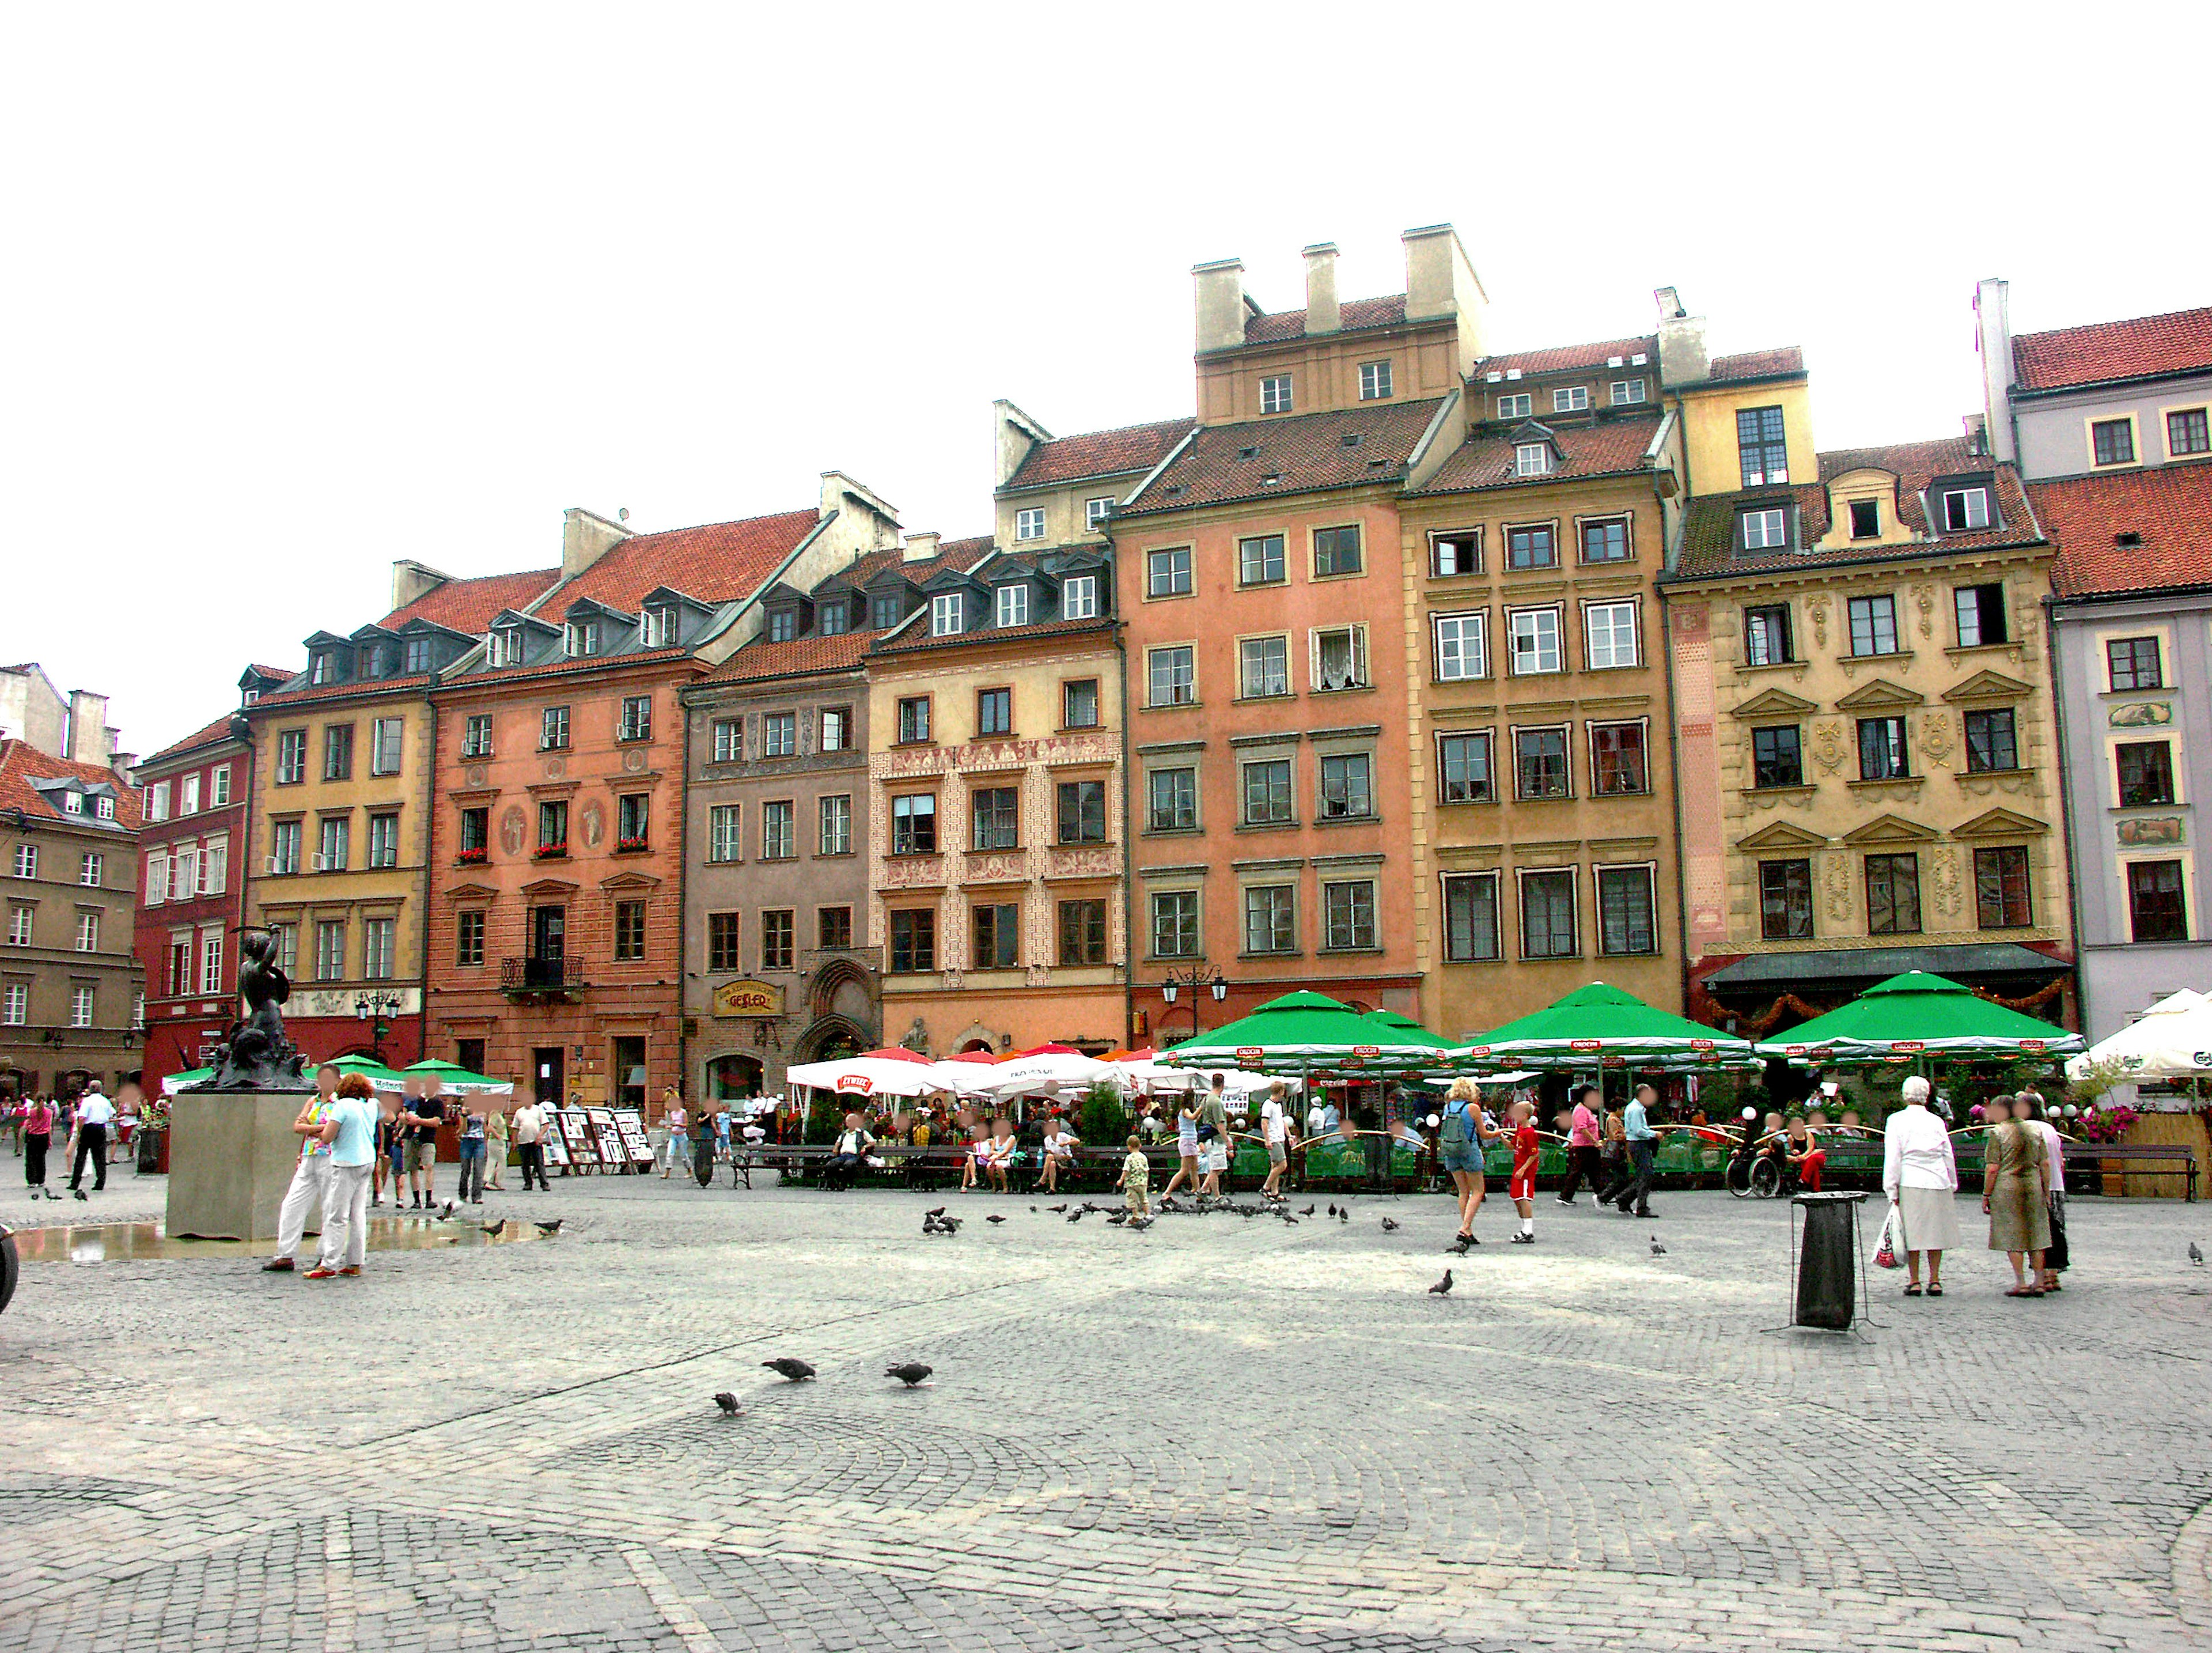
(834, 617)
(1866, 519)
(1013, 605)
(1531, 459)
(418, 655)
(782, 625)
(1028, 523)
(323, 666)
(504, 647)
(1079, 596)
(1764, 528)
(73, 803)
(105, 809)
(1966, 510)
(944, 614)
(582, 638)
(372, 662)
(886, 611)
(656, 628)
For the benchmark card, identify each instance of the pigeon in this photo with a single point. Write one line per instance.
(910, 1374)
(728, 1402)
(1657, 1249)
(78, 1193)
(1344, 1216)
(793, 1371)
(1332, 1207)
(1460, 1244)
(1075, 1215)
(1062, 1205)
(553, 1227)
(994, 1218)
(2196, 1255)
(936, 1212)
(1443, 1287)
(1291, 1220)
(1032, 1211)
(446, 1215)
(1309, 1211)
(1389, 1226)
(1140, 1223)
(494, 1229)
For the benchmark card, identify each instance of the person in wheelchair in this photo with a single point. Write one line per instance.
(1770, 1164)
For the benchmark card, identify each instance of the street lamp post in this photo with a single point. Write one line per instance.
(1197, 981)
(372, 1008)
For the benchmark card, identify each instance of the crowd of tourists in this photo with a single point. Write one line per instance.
(83, 1131)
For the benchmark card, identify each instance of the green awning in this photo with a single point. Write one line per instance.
(190, 1078)
(1602, 1026)
(452, 1076)
(1307, 1030)
(1920, 1013)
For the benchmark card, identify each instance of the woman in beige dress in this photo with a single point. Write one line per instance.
(2015, 1192)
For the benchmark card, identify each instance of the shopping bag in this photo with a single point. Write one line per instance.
(2056, 1255)
(1885, 1250)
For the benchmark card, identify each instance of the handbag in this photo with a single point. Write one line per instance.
(1885, 1250)
(2057, 1254)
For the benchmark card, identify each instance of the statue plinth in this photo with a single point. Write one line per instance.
(231, 1157)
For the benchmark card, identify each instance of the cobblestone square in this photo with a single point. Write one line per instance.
(1226, 1433)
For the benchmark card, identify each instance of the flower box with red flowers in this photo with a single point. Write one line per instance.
(476, 857)
(552, 852)
(631, 845)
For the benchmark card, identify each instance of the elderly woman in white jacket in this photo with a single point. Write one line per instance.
(1920, 1174)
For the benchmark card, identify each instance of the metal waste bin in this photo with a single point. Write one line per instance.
(1828, 1267)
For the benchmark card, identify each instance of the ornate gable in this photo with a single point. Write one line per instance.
(1988, 686)
(1889, 829)
(1880, 696)
(2000, 824)
(1775, 703)
(1782, 835)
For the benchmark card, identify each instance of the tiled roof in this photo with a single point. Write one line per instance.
(1100, 454)
(218, 730)
(468, 605)
(20, 764)
(718, 562)
(1708, 524)
(1609, 448)
(1565, 358)
(758, 660)
(2178, 341)
(367, 688)
(1757, 364)
(1307, 451)
(918, 637)
(1353, 314)
(2169, 507)
(282, 673)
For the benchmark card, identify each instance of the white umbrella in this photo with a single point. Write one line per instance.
(2171, 1040)
(1236, 1082)
(1043, 1071)
(871, 1076)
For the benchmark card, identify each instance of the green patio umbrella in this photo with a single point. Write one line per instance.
(1307, 1030)
(1602, 1026)
(383, 1078)
(1920, 1013)
(452, 1077)
(1408, 1026)
(189, 1079)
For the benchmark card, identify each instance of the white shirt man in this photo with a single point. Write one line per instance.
(311, 1178)
(1275, 1131)
(94, 1112)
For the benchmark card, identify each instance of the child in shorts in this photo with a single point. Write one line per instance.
(1522, 1190)
(1137, 1181)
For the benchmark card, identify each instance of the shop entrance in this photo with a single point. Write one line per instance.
(629, 1070)
(733, 1079)
(549, 1074)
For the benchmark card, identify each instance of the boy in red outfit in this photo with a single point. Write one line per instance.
(1522, 1190)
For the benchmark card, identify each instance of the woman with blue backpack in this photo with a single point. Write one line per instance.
(1459, 1149)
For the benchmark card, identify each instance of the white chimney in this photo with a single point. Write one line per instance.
(412, 579)
(1323, 313)
(1219, 297)
(919, 547)
(1682, 358)
(1993, 338)
(585, 538)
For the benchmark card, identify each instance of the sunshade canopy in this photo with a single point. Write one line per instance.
(1920, 1013)
(452, 1076)
(2171, 1040)
(1601, 1026)
(1308, 1030)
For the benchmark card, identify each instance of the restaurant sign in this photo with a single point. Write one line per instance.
(748, 998)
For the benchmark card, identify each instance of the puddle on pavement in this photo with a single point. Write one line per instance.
(138, 1242)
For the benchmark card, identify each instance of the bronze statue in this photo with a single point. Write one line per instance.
(256, 1054)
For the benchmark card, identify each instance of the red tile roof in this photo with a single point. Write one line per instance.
(918, 638)
(802, 655)
(468, 605)
(1307, 451)
(207, 733)
(2169, 507)
(365, 687)
(1100, 454)
(718, 562)
(1757, 364)
(20, 764)
(2178, 341)
(282, 673)
(1352, 315)
(1566, 358)
(1609, 448)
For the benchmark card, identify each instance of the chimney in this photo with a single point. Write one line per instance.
(412, 579)
(1013, 433)
(1323, 314)
(584, 538)
(1993, 339)
(1977, 426)
(90, 739)
(919, 547)
(1682, 358)
(1441, 282)
(1219, 293)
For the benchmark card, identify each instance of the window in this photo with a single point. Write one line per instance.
(1348, 915)
(834, 617)
(1082, 812)
(376, 945)
(1083, 932)
(157, 801)
(1766, 635)
(1275, 393)
(1991, 743)
(994, 712)
(1079, 596)
(1531, 459)
(914, 940)
(1028, 523)
(657, 628)
(729, 740)
(336, 849)
(782, 625)
(284, 846)
(834, 926)
(1263, 666)
(994, 814)
(1171, 675)
(996, 937)
(1455, 553)
(1759, 444)
(1549, 928)
(19, 1004)
(553, 828)
(2133, 663)
(81, 1003)
(1336, 550)
(1571, 398)
(330, 951)
(722, 832)
(288, 949)
(476, 835)
(503, 647)
(553, 729)
(1470, 917)
(323, 666)
(2146, 769)
(1013, 605)
(87, 932)
(1874, 625)
(1535, 545)
(1463, 768)
(1535, 639)
(1268, 792)
(73, 803)
(779, 937)
(1628, 391)
(2187, 431)
(1175, 924)
(724, 932)
(1540, 762)
(468, 938)
(1892, 886)
(1606, 541)
(1785, 900)
(1167, 572)
(636, 718)
(187, 874)
(914, 823)
(475, 735)
(1171, 800)
(1260, 560)
(633, 820)
(1098, 510)
(416, 656)
(1517, 407)
(384, 840)
(778, 835)
(103, 807)
(1764, 528)
(155, 886)
(2112, 441)
(338, 751)
(780, 734)
(26, 860)
(1374, 381)
(886, 610)
(1966, 509)
(629, 932)
(837, 836)
(2000, 901)
(1881, 750)
(1981, 613)
(2156, 910)
(1778, 756)
(581, 637)
(88, 869)
(1626, 924)
(1462, 646)
(20, 921)
(837, 729)
(1609, 636)
(944, 614)
(914, 719)
(188, 800)
(1347, 792)
(386, 738)
(1339, 659)
(1271, 919)
(1079, 703)
(1618, 765)
(180, 966)
(1866, 519)
(370, 662)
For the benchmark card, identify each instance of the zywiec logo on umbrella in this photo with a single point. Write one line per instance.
(1250, 1052)
(855, 1083)
(1366, 1052)
(1702, 1045)
(1793, 1050)
(1613, 1061)
(1910, 1046)
(2031, 1047)
(1585, 1044)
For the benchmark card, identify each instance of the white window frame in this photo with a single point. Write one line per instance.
(834, 730)
(382, 730)
(1196, 916)
(219, 785)
(835, 809)
(1096, 511)
(580, 639)
(725, 831)
(1772, 522)
(26, 860)
(214, 866)
(1362, 676)
(945, 613)
(18, 1005)
(1186, 569)
(1626, 393)
(729, 738)
(1571, 398)
(1520, 405)
(1013, 605)
(1029, 522)
(1277, 393)
(1245, 918)
(1375, 381)
(87, 932)
(1188, 697)
(1515, 653)
(1611, 609)
(1460, 639)
(157, 801)
(1351, 887)
(188, 795)
(1079, 596)
(90, 868)
(22, 926)
(210, 961)
(82, 1006)
(784, 741)
(1979, 498)
(157, 878)
(1246, 677)
(1322, 790)
(1532, 459)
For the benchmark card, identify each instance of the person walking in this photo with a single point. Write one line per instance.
(94, 1112)
(1186, 1150)
(1459, 1149)
(1213, 1137)
(1920, 1175)
(2015, 1196)
(349, 1129)
(1521, 1187)
(1582, 1161)
(38, 1136)
(1275, 1135)
(496, 1133)
(1136, 1180)
(311, 1177)
(1642, 1143)
(529, 1143)
(424, 1115)
(679, 1134)
(2028, 1108)
(472, 1155)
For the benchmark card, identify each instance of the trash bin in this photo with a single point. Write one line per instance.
(1828, 1261)
(10, 1266)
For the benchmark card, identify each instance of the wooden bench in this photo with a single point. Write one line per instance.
(2158, 1159)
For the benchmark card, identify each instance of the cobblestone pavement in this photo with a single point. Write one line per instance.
(1232, 1433)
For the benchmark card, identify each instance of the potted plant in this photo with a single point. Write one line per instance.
(2109, 1123)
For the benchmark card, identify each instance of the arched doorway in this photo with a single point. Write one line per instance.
(733, 1077)
(983, 1045)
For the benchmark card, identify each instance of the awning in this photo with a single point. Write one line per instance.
(1775, 972)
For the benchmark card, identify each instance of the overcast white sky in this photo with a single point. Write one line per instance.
(292, 292)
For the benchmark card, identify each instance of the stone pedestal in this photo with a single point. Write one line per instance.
(231, 1157)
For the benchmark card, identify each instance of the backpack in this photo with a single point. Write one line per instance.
(1459, 1130)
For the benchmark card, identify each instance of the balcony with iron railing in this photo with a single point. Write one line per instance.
(557, 973)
